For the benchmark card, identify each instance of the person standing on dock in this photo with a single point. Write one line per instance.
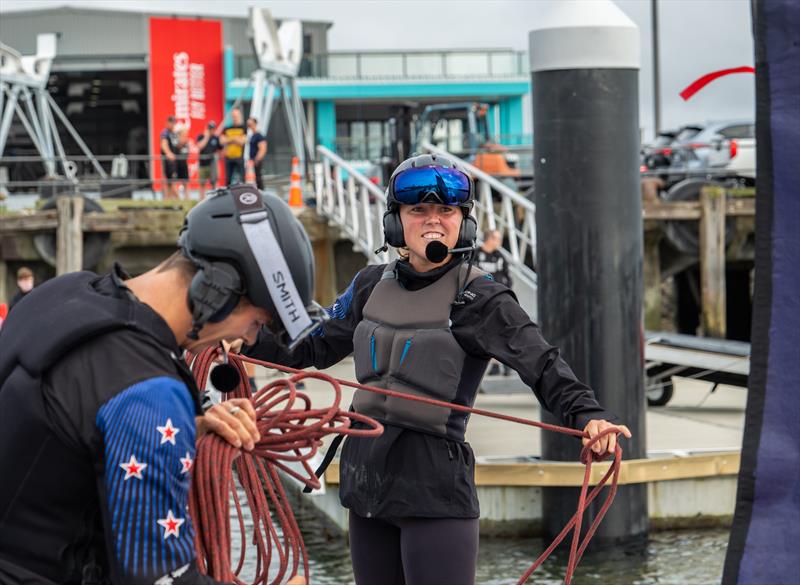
(168, 142)
(99, 412)
(181, 185)
(258, 150)
(233, 139)
(207, 146)
(25, 284)
(491, 260)
(427, 325)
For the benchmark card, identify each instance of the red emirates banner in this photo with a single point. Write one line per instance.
(186, 81)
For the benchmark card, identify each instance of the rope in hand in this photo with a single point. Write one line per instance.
(291, 431)
(284, 432)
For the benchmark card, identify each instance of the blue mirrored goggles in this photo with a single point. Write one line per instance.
(427, 184)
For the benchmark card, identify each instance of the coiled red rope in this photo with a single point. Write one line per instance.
(291, 431)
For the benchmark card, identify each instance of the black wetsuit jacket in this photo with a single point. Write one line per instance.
(97, 435)
(408, 473)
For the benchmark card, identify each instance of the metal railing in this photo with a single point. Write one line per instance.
(405, 64)
(356, 205)
(352, 202)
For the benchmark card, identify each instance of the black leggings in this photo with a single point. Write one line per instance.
(414, 551)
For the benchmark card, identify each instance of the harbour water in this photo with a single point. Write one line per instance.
(685, 557)
(676, 557)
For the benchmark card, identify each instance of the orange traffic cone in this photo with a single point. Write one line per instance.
(250, 173)
(296, 185)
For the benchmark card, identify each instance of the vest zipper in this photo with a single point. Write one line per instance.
(405, 351)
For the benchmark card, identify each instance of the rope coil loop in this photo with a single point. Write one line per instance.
(291, 432)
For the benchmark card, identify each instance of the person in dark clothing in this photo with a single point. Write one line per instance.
(25, 284)
(99, 412)
(168, 142)
(489, 259)
(428, 325)
(258, 150)
(233, 139)
(208, 145)
(181, 184)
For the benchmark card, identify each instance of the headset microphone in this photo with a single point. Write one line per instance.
(225, 376)
(436, 251)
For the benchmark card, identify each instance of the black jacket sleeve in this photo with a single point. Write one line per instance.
(332, 342)
(491, 324)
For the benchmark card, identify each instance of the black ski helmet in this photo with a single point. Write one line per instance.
(248, 243)
(393, 227)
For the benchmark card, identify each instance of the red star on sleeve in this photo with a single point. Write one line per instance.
(186, 462)
(171, 525)
(168, 432)
(133, 468)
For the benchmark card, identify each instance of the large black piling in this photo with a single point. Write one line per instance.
(584, 69)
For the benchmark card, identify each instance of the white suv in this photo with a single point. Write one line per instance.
(721, 150)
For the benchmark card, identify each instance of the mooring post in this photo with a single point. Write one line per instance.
(584, 68)
(69, 235)
(712, 260)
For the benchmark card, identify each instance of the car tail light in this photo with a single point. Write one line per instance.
(642, 168)
(733, 148)
(696, 145)
(666, 151)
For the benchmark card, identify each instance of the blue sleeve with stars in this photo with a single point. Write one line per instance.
(148, 431)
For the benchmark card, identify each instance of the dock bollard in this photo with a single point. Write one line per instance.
(584, 59)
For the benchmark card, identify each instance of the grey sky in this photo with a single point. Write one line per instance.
(696, 37)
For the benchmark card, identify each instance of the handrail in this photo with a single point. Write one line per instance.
(361, 179)
(357, 207)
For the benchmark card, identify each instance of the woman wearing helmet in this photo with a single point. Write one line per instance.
(428, 325)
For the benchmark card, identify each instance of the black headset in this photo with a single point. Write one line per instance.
(393, 229)
(214, 292)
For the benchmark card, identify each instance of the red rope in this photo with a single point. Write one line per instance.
(295, 434)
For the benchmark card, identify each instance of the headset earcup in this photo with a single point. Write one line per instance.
(393, 229)
(214, 303)
(196, 288)
(468, 232)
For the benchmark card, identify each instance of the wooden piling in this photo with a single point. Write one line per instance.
(712, 261)
(69, 235)
(652, 279)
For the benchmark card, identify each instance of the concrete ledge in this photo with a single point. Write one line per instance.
(558, 474)
(697, 491)
(514, 511)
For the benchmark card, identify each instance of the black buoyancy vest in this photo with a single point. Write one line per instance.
(59, 316)
(404, 343)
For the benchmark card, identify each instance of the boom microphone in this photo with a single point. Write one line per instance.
(225, 376)
(436, 251)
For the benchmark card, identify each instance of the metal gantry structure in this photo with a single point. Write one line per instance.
(350, 201)
(278, 51)
(23, 91)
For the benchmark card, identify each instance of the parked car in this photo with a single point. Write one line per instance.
(657, 154)
(721, 150)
